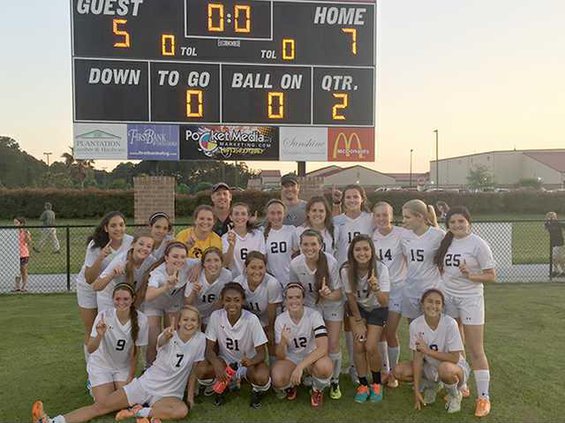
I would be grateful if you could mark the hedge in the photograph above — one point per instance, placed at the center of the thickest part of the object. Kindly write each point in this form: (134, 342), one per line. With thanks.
(91, 203)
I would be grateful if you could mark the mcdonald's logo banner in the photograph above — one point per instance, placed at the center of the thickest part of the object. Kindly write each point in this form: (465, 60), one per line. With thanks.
(351, 144)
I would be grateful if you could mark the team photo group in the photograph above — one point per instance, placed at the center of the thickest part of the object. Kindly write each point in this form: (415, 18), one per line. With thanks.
(272, 301)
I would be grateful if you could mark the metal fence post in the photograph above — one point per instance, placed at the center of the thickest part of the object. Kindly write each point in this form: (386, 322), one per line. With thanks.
(68, 235)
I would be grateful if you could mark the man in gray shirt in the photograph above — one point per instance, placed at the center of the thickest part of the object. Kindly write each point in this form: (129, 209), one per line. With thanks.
(295, 207)
(49, 232)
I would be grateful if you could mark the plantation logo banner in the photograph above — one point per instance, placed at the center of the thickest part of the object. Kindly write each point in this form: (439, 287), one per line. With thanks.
(198, 142)
(153, 142)
(100, 141)
(351, 144)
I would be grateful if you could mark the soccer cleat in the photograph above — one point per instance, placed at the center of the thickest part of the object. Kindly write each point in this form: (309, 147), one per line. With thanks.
(392, 383)
(335, 391)
(316, 398)
(362, 394)
(128, 413)
(291, 393)
(353, 375)
(256, 399)
(38, 414)
(219, 399)
(482, 408)
(375, 392)
(453, 404)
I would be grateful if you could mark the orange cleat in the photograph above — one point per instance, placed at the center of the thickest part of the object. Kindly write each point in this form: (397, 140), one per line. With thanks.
(482, 408)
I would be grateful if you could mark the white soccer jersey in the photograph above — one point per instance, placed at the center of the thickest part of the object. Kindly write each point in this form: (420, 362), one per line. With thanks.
(104, 297)
(422, 273)
(252, 241)
(93, 253)
(348, 229)
(299, 272)
(445, 338)
(329, 241)
(279, 246)
(209, 294)
(168, 375)
(238, 340)
(472, 250)
(389, 250)
(268, 292)
(158, 278)
(302, 339)
(159, 252)
(365, 296)
(115, 349)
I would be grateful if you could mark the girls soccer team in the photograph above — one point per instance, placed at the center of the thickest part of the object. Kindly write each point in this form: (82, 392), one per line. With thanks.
(354, 271)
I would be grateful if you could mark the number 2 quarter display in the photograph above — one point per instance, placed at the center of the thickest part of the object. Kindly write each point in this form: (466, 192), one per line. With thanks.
(224, 62)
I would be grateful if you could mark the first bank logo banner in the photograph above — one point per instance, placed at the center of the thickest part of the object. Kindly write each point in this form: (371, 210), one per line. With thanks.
(153, 142)
(202, 142)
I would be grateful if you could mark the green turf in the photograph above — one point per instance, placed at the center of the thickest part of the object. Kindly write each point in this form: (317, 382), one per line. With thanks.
(41, 357)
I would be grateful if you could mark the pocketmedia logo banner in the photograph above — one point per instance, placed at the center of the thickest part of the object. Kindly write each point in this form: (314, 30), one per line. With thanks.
(351, 144)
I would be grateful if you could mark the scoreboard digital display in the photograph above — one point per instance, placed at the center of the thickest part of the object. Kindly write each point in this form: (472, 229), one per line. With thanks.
(224, 62)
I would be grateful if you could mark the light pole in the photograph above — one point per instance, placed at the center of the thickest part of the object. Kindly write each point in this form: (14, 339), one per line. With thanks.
(47, 157)
(411, 150)
(437, 157)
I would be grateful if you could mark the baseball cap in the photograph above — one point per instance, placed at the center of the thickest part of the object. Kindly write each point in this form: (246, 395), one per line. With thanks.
(289, 179)
(219, 186)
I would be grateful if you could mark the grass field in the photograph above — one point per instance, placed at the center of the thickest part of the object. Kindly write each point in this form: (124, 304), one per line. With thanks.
(41, 357)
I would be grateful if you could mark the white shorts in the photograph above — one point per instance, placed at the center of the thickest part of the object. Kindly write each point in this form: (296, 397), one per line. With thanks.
(164, 304)
(86, 296)
(100, 376)
(411, 307)
(137, 394)
(431, 372)
(332, 312)
(395, 299)
(470, 310)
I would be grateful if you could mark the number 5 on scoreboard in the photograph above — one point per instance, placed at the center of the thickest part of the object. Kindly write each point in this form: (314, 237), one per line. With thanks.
(338, 107)
(121, 33)
(194, 103)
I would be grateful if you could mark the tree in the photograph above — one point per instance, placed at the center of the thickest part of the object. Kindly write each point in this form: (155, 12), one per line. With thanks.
(480, 177)
(78, 169)
(17, 168)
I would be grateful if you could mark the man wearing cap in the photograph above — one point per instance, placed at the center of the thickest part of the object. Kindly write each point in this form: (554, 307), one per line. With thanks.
(221, 203)
(296, 208)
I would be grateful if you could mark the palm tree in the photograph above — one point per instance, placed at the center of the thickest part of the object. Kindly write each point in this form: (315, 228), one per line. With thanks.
(78, 168)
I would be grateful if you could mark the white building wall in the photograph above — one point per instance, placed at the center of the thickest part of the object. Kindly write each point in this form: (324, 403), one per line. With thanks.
(361, 175)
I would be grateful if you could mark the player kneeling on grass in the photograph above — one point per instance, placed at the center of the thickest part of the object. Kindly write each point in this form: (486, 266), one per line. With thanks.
(238, 337)
(367, 285)
(161, 386)
(301, 341)
(438, 355)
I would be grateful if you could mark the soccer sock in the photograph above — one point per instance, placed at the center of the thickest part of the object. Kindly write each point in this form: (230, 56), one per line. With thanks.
(482, 379)
(262, 388)
(349, 344)
(58, 419)
(336, 360)
(206, 382)
(320, 384)
(376, 377)
(363, 381)
(383, 352)
(393, 354)
(144, 412)
(451, 389)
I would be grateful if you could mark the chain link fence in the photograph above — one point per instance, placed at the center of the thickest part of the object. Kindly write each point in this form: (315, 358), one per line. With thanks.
(521, 250)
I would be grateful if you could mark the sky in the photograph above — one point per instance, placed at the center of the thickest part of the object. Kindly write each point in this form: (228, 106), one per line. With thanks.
(488, 74)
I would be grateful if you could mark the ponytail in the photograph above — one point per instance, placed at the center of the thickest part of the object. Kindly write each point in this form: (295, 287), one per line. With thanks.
(443, 247)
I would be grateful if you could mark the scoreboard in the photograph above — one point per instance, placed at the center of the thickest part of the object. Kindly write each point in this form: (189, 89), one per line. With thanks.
(278, 68)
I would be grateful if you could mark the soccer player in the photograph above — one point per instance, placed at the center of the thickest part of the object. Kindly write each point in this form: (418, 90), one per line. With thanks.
(319, 218)
(280, 241)
(367, 286)
(161, 386)
(161, 228)
(318, 273)
(437, 355)
(419, 249)
(235, 341)
(108, 240)
(200, 236)
(301, 340)
(388, 246)
(204, 293)
(466, 262)
(113, 345)
(241, 239)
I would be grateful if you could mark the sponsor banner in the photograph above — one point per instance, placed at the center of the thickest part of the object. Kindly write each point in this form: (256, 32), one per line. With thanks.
(351, 144)
(304, 144)
(153, 142)
(100, 141)
(209, 142)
